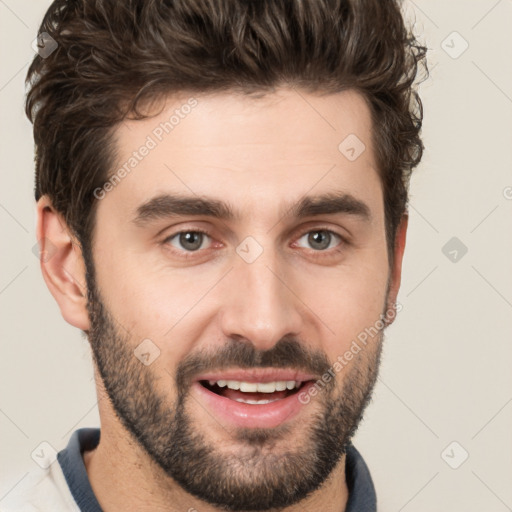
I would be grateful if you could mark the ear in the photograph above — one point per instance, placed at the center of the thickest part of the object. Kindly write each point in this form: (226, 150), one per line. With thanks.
(62, 264)
(396, 270)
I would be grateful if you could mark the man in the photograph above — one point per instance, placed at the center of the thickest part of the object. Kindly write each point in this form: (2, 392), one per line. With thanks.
(221, 196)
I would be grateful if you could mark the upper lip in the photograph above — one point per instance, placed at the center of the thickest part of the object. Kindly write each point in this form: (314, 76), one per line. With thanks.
(258, 375)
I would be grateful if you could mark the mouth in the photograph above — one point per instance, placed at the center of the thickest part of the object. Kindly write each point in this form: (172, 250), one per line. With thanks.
(255, 399)
(254, 393)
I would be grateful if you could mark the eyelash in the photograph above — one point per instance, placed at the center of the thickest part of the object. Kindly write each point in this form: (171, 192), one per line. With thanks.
(316, 254)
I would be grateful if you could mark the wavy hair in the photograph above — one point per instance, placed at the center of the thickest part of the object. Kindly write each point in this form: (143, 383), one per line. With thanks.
(113, 57)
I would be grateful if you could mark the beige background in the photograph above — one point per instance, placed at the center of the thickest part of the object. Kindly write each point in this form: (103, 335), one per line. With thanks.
(446, 371)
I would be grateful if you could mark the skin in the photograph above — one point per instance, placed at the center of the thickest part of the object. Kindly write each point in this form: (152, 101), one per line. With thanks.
(258, 155)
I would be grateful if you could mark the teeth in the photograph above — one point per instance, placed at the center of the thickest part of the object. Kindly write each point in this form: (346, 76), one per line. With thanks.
(259, 402)
(248, 387)
(260, 387)
(267, 387)
(233, 384)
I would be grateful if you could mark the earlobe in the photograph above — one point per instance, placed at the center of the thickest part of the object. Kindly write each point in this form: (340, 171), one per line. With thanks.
(62, 264)
(396, 271)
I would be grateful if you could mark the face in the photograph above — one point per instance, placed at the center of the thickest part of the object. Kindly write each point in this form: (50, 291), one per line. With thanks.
(242, 249)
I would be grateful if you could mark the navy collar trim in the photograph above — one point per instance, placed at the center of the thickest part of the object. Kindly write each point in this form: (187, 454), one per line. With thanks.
(362, 496)
(73, 467)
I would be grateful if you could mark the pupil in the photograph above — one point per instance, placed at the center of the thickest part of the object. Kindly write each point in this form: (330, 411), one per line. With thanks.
(191, 240)
(320, 237)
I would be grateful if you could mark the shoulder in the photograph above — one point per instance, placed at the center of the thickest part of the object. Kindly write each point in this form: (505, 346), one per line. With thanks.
(47, 488)
(38, 490)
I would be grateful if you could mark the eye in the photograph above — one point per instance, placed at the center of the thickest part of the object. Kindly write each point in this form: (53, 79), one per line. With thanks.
(190, 241)
(320, 239)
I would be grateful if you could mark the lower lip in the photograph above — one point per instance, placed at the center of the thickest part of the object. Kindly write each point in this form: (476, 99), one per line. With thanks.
(269, 415)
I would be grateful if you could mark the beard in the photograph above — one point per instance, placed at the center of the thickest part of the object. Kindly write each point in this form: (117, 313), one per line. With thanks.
(268, 468)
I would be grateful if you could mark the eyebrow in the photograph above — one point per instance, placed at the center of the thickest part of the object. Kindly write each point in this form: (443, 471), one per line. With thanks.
(166, 205)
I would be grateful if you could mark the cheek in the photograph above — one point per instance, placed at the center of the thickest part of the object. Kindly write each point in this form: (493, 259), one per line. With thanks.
(347, 303)
(140, 286)
(158, 304)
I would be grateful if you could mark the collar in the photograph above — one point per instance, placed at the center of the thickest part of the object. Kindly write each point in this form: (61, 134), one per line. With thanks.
(361, 492)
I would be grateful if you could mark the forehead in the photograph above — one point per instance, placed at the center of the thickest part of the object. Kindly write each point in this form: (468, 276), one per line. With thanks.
(250, 152)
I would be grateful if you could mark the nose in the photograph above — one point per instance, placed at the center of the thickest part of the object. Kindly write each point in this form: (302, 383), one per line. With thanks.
(260, 305)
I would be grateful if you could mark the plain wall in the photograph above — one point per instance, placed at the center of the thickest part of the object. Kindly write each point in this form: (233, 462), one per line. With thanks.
(446, 372)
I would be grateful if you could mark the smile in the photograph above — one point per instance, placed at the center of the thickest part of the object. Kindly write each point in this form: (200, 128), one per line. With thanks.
(258, 399)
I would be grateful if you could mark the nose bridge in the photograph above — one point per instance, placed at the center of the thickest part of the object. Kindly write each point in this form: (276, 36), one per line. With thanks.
(260, 307)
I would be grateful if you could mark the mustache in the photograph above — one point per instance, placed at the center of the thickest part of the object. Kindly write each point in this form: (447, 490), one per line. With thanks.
(286, 353)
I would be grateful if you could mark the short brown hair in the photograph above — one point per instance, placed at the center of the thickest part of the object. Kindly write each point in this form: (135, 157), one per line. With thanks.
(115, 56)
